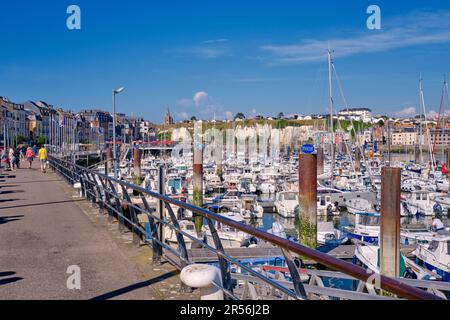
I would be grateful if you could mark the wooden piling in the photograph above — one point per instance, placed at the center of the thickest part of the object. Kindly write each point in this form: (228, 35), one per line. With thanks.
(197, 178)
(108, 162)
(137, 155)
(390, 222)
(320, 161)
(307, 174)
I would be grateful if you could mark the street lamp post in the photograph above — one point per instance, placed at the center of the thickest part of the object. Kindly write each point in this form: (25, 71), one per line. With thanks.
(115, 92)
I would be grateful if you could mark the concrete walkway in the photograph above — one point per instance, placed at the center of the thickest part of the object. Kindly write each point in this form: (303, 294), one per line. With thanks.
(45, 228)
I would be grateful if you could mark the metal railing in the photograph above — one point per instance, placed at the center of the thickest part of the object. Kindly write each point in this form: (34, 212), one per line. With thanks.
(112, 195)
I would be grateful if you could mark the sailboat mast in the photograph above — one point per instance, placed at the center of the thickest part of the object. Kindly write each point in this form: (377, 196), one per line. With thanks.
(420, 122)
(330, 86)
(430, 150)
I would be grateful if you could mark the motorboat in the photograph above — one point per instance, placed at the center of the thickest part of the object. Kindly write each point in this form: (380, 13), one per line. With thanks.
(369, 255)
(229, 236)
(287, 204)
(325, 207)
(327, 233)
(360, 205)
(366, 228)
(250, 208)
(187, 227)
(434, 254)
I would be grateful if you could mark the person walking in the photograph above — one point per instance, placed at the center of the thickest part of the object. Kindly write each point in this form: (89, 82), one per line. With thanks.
(17, 156)
(42, 158)
(23, 152)
(12, 158)
(30, 156)
(4, 157)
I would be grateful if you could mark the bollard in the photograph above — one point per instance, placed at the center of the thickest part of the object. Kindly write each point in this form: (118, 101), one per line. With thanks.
(320, 159)
(390, 222)
(77, 185)
(307, 175)
(203, 277)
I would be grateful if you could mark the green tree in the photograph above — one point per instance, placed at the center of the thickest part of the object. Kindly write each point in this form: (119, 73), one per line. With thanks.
(40, 140)
(20, 139)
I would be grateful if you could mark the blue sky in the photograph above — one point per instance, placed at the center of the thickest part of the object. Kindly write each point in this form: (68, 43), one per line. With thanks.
(216, 58)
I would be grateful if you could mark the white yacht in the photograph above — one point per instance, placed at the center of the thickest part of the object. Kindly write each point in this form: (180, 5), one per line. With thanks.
(229, 236)
(286, 204)
(187, 227)
(368, 255)
(325, 206)
(250, 208)
(435, 254)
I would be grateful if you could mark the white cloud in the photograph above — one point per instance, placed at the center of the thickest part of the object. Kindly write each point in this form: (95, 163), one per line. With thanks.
(419, 28)
(406, 112)
(208, 52)
(200, 98)
(203, 104)
(220, 40)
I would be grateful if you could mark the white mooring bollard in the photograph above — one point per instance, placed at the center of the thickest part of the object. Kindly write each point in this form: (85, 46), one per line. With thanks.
(203, 276)
(77, 185)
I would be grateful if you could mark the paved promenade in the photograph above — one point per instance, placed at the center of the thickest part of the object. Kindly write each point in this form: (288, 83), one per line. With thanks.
(45, 228)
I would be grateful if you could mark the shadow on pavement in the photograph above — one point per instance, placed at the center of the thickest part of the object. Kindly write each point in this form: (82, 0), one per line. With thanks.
(34, 181)
(11, 192)
(8, 200)
(4, 220)
(40, 204)
(136, 286)
(8, 280)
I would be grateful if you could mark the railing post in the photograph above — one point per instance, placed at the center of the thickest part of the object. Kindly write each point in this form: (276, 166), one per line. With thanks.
(181, 243)
(224, 265)
(119, 210)
(133, 218)
(298, 285)
(160, 205)
(107, 199)
(157, 248)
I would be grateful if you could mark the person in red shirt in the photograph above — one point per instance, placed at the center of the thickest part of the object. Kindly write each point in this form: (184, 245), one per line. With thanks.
(30, 156)
(444, 169)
